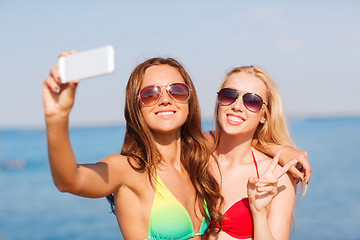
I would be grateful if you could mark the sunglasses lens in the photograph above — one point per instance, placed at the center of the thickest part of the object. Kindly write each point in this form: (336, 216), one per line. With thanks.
(150, 95)
(227, 96)
(252, 102)
(179, 91)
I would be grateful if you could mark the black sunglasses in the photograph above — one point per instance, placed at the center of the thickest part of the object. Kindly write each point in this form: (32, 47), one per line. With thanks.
(252, 101)
(179, 92)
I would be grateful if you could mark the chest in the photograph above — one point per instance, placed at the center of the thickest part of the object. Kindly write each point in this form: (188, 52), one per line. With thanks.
(170, 205)
(171, 219)
(180, 187)
(235, 179)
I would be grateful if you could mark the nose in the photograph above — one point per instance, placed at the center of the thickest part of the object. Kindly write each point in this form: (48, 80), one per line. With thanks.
(238, 105)
(165, 98)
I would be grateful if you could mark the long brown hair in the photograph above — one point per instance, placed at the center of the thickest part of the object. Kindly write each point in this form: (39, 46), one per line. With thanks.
(140, 148)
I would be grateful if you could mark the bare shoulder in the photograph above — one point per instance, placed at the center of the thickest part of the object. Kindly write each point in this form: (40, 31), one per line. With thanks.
(117, 162)
(121, 169)
(210, 137)
(262, 159)
(287, 180)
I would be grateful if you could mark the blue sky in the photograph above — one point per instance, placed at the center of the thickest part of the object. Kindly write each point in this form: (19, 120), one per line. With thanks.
(310, 48)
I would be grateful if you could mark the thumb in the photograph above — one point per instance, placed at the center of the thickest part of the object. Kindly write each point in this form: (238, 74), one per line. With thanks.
(252, 181)
(251, 188)
(69, 90)
(73, 85)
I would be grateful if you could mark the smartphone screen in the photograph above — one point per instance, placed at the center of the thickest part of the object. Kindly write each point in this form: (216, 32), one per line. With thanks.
(87, 64)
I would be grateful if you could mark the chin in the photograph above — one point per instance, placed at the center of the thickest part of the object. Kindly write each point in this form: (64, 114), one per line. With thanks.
(164, 128)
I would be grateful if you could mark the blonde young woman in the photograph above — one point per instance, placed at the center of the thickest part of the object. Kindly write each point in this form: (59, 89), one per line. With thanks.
(160, 182)
(259, 195)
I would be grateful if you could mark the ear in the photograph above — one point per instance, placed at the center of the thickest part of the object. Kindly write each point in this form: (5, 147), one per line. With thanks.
(263, 119)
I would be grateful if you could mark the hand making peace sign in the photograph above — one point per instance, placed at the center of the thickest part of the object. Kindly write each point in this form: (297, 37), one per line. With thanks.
(262, 191)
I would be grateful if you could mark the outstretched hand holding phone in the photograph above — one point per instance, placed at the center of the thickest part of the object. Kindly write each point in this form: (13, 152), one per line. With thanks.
(59, 88)
(87, 64)
(58, 91)
(58, 97)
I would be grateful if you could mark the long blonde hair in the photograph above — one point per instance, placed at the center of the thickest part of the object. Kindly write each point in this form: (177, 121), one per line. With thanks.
(274, 129)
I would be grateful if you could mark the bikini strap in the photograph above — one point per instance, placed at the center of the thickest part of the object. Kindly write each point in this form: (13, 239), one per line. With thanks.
(255, 163)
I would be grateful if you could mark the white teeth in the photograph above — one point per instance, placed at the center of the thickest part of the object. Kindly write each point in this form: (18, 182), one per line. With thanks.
(235, 119)
(165, 113)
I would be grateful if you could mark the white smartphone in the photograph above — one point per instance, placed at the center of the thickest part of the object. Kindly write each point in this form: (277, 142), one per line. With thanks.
(87, 64)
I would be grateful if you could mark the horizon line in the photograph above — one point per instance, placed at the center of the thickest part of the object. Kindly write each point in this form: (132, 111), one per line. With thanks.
(204, 119)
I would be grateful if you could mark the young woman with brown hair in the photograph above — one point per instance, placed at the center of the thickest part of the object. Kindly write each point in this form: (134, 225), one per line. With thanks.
(160, 182)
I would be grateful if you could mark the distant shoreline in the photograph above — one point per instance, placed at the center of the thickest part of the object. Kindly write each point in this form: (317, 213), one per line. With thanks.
(205, 120)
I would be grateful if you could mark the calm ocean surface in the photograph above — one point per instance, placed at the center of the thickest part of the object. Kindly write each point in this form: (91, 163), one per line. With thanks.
(32, 208)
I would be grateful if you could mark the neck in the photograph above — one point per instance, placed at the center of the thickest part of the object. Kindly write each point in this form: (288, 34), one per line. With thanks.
(169, 146)
(234, 148)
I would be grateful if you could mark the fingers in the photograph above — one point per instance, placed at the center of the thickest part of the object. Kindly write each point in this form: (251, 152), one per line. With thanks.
(266, 181)
(54, 73)
(261, 188)
(273, 163)
(296, 173)
(251, 187)
(60, 61)
(64, 54)
(253, 180)
(285, 168)
(52, 84)
(306, 168)
(302, 172)
(267, 189)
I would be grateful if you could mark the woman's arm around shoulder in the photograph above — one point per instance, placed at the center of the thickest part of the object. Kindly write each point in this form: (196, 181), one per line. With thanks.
(302, 172)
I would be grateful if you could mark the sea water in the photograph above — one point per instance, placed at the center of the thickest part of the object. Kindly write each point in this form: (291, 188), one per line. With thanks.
(32, 208)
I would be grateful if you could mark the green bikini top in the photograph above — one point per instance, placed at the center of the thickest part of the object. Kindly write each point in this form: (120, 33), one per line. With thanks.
(169, 219)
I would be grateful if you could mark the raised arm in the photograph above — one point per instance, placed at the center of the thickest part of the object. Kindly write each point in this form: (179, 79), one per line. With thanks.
(302, 171)
(88, 180)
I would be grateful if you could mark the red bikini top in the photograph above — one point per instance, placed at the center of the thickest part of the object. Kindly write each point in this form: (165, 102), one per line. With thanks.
(238, 221)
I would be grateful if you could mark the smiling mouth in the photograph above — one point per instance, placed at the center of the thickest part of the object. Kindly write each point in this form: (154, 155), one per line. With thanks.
(235, 119)
(167, 113)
